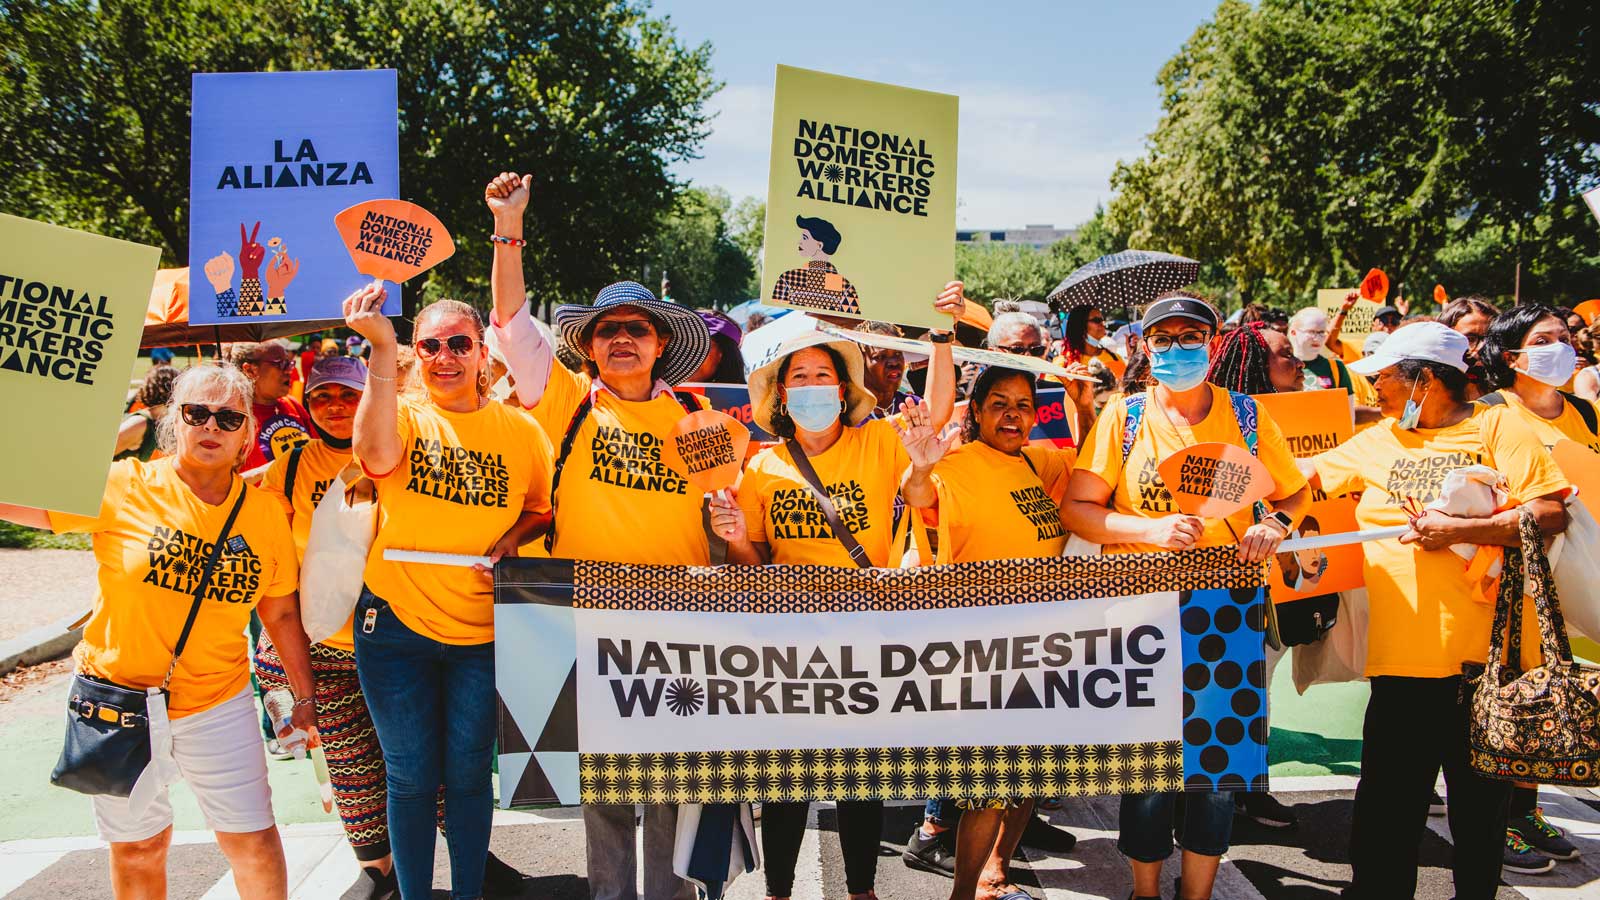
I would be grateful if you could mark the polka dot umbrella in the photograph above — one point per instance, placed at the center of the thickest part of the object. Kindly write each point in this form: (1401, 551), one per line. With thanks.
(1127, 279)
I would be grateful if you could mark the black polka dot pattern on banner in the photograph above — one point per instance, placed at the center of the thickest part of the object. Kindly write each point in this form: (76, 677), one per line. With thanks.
(1224, 703)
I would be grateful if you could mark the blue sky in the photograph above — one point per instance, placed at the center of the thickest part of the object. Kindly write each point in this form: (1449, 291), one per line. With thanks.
(1052, 93)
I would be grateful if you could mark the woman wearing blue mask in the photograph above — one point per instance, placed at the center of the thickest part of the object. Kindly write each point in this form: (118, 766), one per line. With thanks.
(1117, 498)
(807, 387)
(1427, 616)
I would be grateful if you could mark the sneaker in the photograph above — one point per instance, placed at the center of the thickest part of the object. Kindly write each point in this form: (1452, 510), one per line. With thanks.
(1520, 857)
(1264, 809)
(275, 750)
(501, 880)
(931, 854)
(1041, 835)
(1436, 805)
(373, 885)
(1542, 836)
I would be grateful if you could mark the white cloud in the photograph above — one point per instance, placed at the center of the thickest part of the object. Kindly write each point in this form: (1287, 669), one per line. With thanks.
(1027, 156)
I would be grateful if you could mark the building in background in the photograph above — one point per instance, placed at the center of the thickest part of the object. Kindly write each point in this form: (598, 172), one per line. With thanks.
(1036, 236)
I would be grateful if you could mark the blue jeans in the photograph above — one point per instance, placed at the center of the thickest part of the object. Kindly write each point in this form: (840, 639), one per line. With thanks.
(1146, 824)
(433, 705)
(944, 812)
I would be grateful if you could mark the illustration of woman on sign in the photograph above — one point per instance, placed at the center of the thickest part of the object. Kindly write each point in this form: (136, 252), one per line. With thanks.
(1303, 569)
(818, 285)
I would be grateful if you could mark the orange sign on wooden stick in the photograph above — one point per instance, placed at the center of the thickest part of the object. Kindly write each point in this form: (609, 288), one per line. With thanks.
(1589, 310)
(1375, 286)
(392, 239)
(707, 447)
(1215, 480)
(1439, 295)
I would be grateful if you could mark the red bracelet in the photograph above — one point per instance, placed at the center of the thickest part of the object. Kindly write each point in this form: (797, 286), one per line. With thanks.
(502, 239)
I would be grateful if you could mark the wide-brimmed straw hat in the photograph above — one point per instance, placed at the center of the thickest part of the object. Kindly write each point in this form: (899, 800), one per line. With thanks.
(686, 350)
(765, 349)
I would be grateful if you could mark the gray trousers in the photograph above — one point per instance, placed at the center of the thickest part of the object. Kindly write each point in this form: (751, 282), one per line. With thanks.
(609, 848)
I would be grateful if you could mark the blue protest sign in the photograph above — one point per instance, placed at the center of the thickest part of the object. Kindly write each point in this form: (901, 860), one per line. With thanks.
(274, 156)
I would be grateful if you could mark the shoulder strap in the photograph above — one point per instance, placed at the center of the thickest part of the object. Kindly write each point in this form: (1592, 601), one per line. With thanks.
(687, 401)
(578, 415)
(858, 554)
(205, 582)
(1493, 399)
(1335, 366)
(1031, 467)
(288, 475)
(1245, 413)
(1134, 404)
(1585, 409)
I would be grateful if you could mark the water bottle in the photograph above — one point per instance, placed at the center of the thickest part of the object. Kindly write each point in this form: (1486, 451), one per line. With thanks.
(280, 709)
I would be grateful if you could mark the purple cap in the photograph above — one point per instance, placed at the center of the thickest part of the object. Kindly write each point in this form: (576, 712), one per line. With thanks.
(345, 370)
(720, 325)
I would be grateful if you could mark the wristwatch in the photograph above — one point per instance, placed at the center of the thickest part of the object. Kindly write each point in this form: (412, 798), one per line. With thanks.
(941, 337)
(1281, 518)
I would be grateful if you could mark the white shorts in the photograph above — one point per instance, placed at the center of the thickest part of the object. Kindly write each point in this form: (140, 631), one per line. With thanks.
(220, 754)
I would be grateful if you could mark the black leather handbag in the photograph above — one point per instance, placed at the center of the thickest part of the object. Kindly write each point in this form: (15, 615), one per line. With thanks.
(108, 725)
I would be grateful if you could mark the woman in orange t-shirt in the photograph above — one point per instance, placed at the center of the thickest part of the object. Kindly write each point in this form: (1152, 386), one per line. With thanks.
(152, 538)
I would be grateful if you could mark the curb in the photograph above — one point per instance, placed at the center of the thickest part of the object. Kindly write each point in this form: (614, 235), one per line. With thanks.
(42, 644)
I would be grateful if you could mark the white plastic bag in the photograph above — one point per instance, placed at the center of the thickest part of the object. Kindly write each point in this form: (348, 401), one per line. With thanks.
(1575, 562)
(1472, 492)
(342, 529)
(1341, 655)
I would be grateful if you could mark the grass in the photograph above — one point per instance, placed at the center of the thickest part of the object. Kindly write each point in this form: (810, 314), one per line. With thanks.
(23, 538)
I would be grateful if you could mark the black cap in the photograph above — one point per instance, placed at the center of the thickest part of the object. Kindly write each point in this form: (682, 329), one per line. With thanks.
(1179, 307)
(1386, 311)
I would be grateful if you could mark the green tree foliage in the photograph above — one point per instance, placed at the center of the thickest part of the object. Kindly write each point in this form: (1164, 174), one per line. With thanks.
(1304, 142)
(595, 99)
(695, 246)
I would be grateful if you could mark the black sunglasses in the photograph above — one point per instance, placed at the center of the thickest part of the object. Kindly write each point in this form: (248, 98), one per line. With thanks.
(1023, 349)
(198, 414)
(636, 328)
(459, 344)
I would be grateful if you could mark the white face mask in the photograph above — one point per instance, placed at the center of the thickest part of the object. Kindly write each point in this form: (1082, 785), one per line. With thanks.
(1551, 364)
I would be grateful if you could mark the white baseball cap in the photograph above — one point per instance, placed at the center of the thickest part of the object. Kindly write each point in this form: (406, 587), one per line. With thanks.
(1429, 341)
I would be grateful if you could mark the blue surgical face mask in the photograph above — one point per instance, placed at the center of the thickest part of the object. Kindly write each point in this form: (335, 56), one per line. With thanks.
(814, 407)
(1179, 369)
(1413, 411)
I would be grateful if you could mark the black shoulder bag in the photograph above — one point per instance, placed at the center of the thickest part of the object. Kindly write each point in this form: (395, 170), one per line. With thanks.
(858, 554)
(108, 729)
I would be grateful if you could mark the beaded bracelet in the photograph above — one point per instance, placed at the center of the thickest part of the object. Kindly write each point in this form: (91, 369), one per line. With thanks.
(502, 239)
(376, 377)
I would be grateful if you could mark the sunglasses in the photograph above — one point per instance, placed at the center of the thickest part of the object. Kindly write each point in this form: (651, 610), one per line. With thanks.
(198, 414)
(1098, 320)
(459, 344)
(282, 365)
(636, 328)
(1023, 349)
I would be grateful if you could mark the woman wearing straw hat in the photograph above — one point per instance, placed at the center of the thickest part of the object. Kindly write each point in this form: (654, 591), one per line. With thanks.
(615, 500)
(825, 496)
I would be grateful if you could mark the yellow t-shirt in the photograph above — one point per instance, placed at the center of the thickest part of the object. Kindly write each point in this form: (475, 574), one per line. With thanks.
(861, 473)
(1568, 425)
(151, 541)
(1426, 619)
(617, 501)
(995, 506)
(462, 481)
(320, 464)
(1137, 488)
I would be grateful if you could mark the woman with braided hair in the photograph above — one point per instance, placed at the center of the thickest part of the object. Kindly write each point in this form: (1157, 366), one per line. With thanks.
(1255, 359)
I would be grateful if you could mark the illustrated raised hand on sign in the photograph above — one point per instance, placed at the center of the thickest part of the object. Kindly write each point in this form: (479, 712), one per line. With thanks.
(280, 272)
(251, 253)
(219, 272)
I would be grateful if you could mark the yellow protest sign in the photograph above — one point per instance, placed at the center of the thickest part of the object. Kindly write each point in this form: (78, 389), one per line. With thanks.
(861, 199)
(1358, 322)
(71, 307)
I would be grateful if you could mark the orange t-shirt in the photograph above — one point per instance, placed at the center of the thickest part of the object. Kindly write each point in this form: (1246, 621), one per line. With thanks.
(151, 541)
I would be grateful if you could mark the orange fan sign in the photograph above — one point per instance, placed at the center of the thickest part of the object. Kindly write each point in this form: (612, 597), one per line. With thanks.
(392, 239)
(1215, 480)
(1439, 295)
(707, 447)
(1375, 286)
